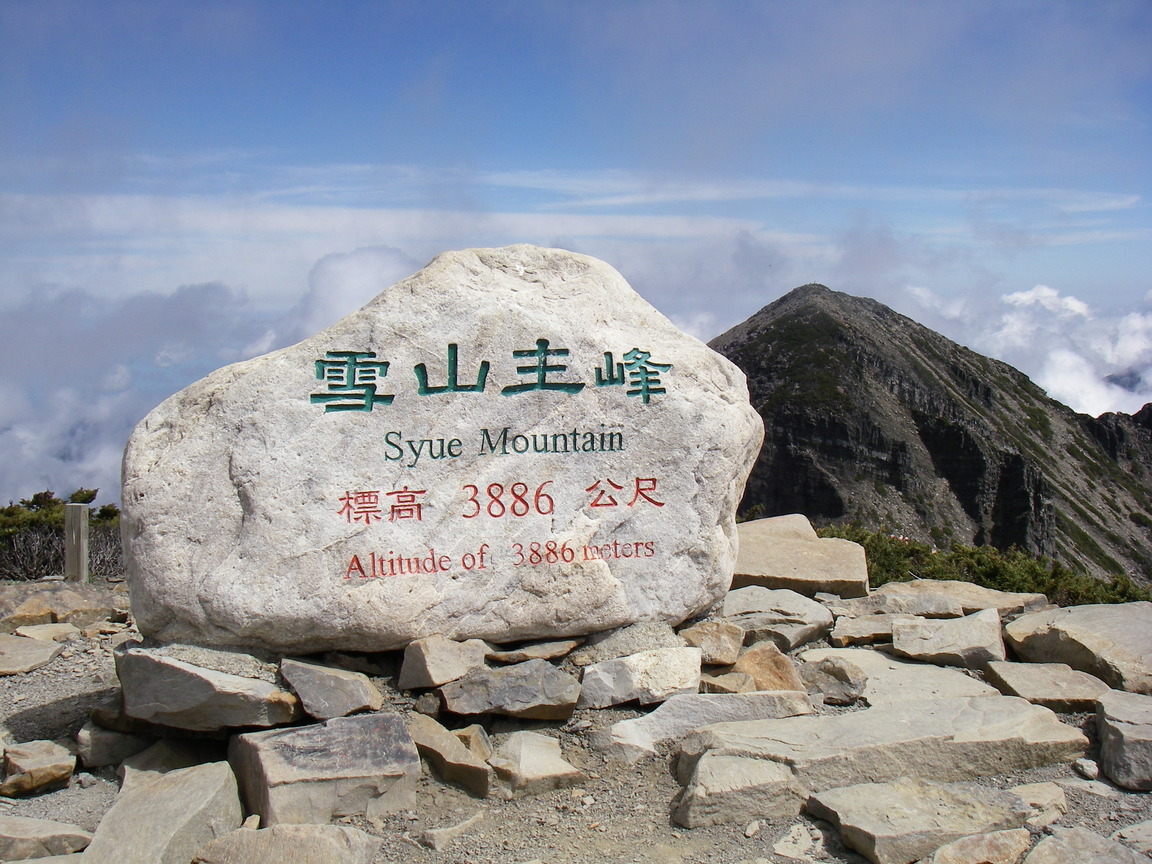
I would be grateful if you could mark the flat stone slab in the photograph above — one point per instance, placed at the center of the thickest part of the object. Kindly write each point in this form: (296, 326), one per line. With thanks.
(327, 692)
(646, 677)
(1053, 685)
(940, 739)
(1138, 836)
(159, 688)
(165, 820)
(291, 844)
(865, 630)
(787, 618)
(59, 602)
(994, 847)
(1112, 641)
(363, 765)
(534, 651)
(1077, 845)
(22, 838)
(890, 679)
(718, 639)
(532, 763)
(908, 819)
(35, 766)
(644, 636)
(436, 659)
(1124, 722)
(510, 444)
(808, 567)
(732, 789)
(48, 632)
(970, 642)
(535, 690)
(634, 739)
(971, 597)
(449, 756)
(20, 654)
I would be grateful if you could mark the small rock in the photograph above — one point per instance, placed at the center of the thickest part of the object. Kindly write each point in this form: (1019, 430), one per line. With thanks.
(1047, 802)
(805, 566)
(48, 632)
(769, 668)
(19, 654)
(731, 789)
(787, 618)
(427, 704)
(1053, 685)
(535, 651)
(837, 681)
(22, 838)
(436, 660)
(1079, 845)
(535, 690)
(532, 763)
(327, 692)
(1124, 721)
(291, 844)
(1138, 836)
(439, 838)
(446, 753)
(475, 738)
(645, 636)
(865, 630)
(997, 847)
(646, 677)
(1086, 768)
(97, 746)
(719, 641)
(37, 766)
(728, 683)
(971, 642)
(165, 756)
(752, 828)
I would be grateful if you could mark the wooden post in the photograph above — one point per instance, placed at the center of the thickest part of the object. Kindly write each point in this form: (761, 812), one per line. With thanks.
(75, 542)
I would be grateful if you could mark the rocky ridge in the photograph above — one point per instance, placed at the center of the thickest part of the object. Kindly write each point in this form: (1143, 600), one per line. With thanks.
(871, 417)
(769, 731)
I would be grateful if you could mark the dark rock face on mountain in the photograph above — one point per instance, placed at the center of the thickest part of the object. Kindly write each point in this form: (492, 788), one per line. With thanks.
(874, 418)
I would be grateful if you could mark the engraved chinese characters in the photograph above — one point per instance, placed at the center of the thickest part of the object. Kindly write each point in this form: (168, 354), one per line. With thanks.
(509, 444)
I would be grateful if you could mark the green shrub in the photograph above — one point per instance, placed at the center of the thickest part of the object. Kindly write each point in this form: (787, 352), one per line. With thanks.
(32, 536)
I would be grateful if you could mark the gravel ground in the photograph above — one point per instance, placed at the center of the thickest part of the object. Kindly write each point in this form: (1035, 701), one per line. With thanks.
(621, 814)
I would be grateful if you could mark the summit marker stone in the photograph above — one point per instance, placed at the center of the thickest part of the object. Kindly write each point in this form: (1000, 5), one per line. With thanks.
(510, 444)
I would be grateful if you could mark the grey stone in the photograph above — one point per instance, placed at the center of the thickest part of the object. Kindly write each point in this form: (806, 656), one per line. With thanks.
(644, 636)
(167, 819)
(165, 756)
(532, 763)
(535, 690)
(162, 689)
(907, 819)
(971, 597)
(1138, 836)
(719, 641)
(535, 651)
(36, 766)
(475, 738)
(806, 566)
(946, 739)
(327, 692)
(435, 660)
(634, 739)
(1112, 641)
(97, 747)
(1047, 802)
(449, 756)
(769, 667)
(19, 654)
(891, 679)
(787, 618)
(1053, 685)
(837, 681)
(363, 765)
(792, 526)
(1124, 722)
(235, 488)
(730, 789)
(22, 838)
(291, 844)
(646, 677)
(48, 632)
(440, 838)
(865, 630)
(971, 642)
(729, 682)
(1078, 846)
(996, 847)
(920, 604)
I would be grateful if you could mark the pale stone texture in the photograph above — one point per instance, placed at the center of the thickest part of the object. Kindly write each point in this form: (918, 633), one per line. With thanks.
(836, 680)
(892, 680)
(435, 660)
(731, 789)
(947, 739)
(291, 844)
(719, 641)
(793, 526)
(167, 755)
(787, 618)
(1124, 721)
(167, 819)
(971, 642)
(1138, 836)
(729, 682)
(232, 514)
(865, 630)
(48, 632)
(634, 739)
(59, 602)
(36, 766)
(769, 667)
(363, 765)
(1111, 641)
(644, 636)
(96, 746)
(20, 654)
(646, 677)
(970, 596)
(449, 756)
(161, 689)
(441, 838)
(532, 763)
(922, 605)
(907, 819)
(997, 847)
(1047, 802)
(327, 692)
(535, 690)
(22, 838)
(1053, 685)
(1079, 846)
(805, 566)
(534, 651)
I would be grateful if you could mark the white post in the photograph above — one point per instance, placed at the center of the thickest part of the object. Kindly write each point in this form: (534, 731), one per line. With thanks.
(75, 542)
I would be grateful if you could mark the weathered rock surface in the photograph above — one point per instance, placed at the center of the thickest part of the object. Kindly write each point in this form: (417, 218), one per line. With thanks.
(919, 603)
(327, 692)
(365, 503)
(435, 660)
(787, 618)
(291, 844)
(362, 765)
(939, 739)
(59, 602)
(97, 747)
(448, 755)
(634, 739)
(644, 636)
(908, 819)
(728, 682)
(48, 632)
(805, 566)
(1124, 723)
(971, 597)
(892, 680)
(997, 847)
(732, 789)
(162, 689)
(167, 819)
(1053, 685)
(971, 642)
(1076, 845)
(770, 668)
(549, 650)
(837, 681)
(1138, 836)
(647, 677)
(1047, 802)
(535, 690)
(1111, 641)
(865, 630)
(22, 838)
(36, 766)
(719, 641)
(19, 654)
(532, 763)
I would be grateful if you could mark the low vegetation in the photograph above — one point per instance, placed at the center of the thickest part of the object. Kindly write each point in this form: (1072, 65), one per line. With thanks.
(893, 558)
(32, 536)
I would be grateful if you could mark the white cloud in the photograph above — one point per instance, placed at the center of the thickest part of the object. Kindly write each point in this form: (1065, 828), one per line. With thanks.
(1049, 299)
(1075, 380)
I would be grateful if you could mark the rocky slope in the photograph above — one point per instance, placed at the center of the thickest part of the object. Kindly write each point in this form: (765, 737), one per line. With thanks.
(871, 417)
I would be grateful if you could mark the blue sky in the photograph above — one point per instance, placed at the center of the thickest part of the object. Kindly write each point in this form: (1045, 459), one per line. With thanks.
(183, 185)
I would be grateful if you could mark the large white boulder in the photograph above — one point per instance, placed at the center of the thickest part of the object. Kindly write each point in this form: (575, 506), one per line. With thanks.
(510, 444)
